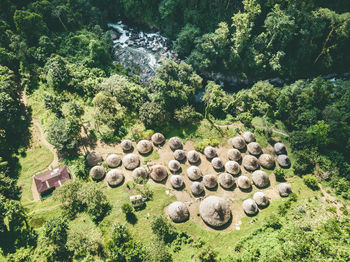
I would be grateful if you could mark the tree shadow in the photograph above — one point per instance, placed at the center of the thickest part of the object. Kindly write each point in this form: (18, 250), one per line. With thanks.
(131, 218)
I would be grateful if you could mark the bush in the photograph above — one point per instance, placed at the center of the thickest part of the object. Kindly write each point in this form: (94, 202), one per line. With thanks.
(163, 229)
(279, 174)
(311, 181)
(207, 255)
(273, 222)
(199, 146)
(127, 209)
(245, 118)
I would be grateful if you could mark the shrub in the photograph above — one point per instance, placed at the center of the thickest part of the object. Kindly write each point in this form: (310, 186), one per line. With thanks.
(279, 174)
(207, 255)
(245, 118)
(199, 146)
(311, 181)
(273, 222)
(127, 209)
(163, 229)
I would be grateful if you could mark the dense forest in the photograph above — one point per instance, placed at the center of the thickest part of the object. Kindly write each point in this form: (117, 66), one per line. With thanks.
(59, 53)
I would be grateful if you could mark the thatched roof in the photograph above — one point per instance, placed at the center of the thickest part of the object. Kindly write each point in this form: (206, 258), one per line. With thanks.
(215, 211)
(126, 145)
(226, 180)
(197, 188)
(210, 181)
(193, 157)
(178, 212)
(280, 148)
(232, 167)
(144, 146)
(248, 137)
(243, 182)
(234, 154)
(260, 178)
(140, 172)
(283, 161)
(157, 138)
(113, 160)
(210, 152)
(174, 165)
(93, 159)
(254, 148)
(179, 154)
(97, 172)
(175, 143)
(217, 163)
(158, 173)
(131, 161)
(250, 163)
(284, 189)
(194, 173)
(261, 199)
(238, 142)
(267, 161)
(176, 181)
(114, 177)
(250, 207)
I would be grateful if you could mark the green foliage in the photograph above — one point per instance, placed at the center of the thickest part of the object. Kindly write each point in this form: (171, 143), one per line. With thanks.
(215, 100)
(79, 168)
(279, 174)
(311, 181)
(201, 145)
(152, 114)
(207, 254)
(163, 229)
(245, 118)
(187, 115)
(127, 209)
(58, 75)
(185, 40)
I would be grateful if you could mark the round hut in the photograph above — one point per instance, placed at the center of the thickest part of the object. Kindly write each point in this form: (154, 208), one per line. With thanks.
(93, 159)
(176, 181)
(283, 161)
(284, 189)
(215, 211)
(280, 148)
(174, 165)
(113, 160)
(140, 172)
(197, 188)
(210, 152)
(193, 157)
(126, 145)
(250, 207)
(250, 163)
(178, 212)
(210, 181)
(114, 177)
(217, 163)
(267, 161)
(144, 146)
(175, 143)
(260, 199)
(131, 161)
(234, 154)
(248, 137)
(238, 142)
(179, 154)
(97, 172)
(232, 167)
(158, 139)
(194, 173)
(226, 180)
(254, 148)
(243, 182)
(260, 178)
(158, 173)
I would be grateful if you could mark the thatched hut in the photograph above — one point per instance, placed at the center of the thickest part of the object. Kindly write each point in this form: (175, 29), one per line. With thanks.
(174, 165)
(144, 146)
(93, 159)
(131, 161)
(176, 181)
(193, 157)
(126, 145)
(261, 199)
(210, 152)
(97, 172)
(157, 138)
(114, 177)
(243, 182)
(238, 142)
(250, 207)
(197, 188)
(210, 181)
(232, 167)
(283, 161)
(284, 189)
(113, 160)
(140, 172)
(267, 161)
(217, 163)
(280, 148)
(194, 173)
(179, 154)
(158, 173)
(248, 137)
(254, 148)
(215, 211)
(260, 178)
(175, 143)
(234, 154)
(250, 162)
(178, 212)
(226, 180)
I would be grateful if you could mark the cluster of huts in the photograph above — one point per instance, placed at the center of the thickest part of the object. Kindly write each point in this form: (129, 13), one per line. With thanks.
(214, 211)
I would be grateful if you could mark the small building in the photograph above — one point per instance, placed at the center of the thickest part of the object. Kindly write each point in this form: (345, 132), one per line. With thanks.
(46, 183)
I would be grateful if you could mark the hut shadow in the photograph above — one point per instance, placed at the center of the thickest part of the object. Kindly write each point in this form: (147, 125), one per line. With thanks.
(285, 167)
(179, 188)
(147, 154)
(213, 188)
(243, 150)
(120, 184)
(223, 227)
(263, 187)
(183, 161)
(196, 163)
(232, 188)
(129, 151)
(248, 190)
(200, 195)
(178, 172)
(220, 170)
(263, 207)
(163, 182)
(252, 215)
